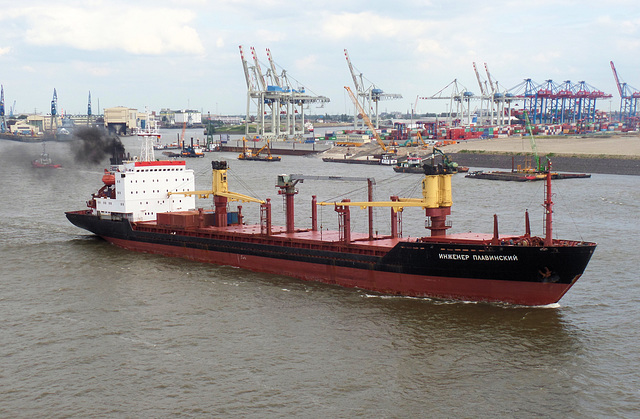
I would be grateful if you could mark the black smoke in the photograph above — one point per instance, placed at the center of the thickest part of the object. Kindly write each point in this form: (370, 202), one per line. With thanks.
(93, 145)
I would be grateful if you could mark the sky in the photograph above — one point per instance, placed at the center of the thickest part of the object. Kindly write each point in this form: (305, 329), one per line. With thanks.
(184, 54)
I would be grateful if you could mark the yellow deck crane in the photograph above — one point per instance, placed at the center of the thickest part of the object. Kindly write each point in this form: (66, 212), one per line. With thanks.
(368, 122)
(222, 195)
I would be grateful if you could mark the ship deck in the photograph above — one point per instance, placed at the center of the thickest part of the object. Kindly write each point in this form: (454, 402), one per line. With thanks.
(331, 237)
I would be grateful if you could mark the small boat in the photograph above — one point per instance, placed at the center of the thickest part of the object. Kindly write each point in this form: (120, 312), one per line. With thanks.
(44, 162)
(414, 164)
(523, 176)
(389, 159)
(252, 155)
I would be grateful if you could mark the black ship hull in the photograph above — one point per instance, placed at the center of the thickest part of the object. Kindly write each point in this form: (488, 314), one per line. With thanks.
(529, 275)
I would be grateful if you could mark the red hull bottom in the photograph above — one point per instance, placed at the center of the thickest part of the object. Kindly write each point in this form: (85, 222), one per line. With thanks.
(464, 289)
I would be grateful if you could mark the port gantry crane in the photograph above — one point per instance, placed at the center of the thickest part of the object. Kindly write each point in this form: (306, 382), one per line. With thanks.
(557, 104)
(274, 91)
(461, 98)
(628, 98)
(370, 95)
(54, 112)
(497, 100)
(483, 96)
(3, 122)
(367, 120)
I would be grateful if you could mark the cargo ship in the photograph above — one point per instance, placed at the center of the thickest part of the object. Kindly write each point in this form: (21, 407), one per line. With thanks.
(149, 206)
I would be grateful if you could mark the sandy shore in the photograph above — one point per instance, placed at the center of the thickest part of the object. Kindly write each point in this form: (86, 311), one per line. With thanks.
(615, 146)
(611, 154)
(616, 154)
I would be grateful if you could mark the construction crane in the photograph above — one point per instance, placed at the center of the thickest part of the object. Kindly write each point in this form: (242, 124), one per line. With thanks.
(539, 167)
(422, 140)
(628, 97)
(255, 155)
(366, 119)
(371, 95)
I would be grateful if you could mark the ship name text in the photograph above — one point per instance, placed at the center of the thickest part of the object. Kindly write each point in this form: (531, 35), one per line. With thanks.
(459, 256)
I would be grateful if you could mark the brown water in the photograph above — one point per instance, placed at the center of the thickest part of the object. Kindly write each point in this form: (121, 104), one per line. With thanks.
(91, 330)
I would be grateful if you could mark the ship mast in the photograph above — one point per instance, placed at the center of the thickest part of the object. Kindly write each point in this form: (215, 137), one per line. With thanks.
(548, 211)
(146, 150)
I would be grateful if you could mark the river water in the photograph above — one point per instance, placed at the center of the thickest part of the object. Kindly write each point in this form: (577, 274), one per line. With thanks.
(91, 330)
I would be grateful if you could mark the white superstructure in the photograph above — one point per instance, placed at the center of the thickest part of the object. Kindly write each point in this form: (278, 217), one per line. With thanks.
(141, 190)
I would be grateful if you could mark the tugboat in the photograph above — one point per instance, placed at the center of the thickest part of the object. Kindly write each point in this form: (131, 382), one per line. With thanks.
(192, 151)
(44, 162)
(519, 269)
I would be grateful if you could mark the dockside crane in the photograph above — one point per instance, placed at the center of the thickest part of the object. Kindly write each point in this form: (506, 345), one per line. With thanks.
(628, 97)
(356, 84)
(252, 91)
(273, 90)
(457, 97)
(483, 91)
(499, 98)
(54, 111)
(274, 71)
(247, 74)
(366, 119)
(3, 122)
(371, 95)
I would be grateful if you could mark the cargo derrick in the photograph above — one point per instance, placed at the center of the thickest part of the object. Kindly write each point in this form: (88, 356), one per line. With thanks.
(287, 185)
(221, 194)
(436, 201)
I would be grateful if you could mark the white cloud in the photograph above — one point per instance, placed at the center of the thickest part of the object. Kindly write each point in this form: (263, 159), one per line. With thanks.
(268, 36)
(135, 30)
(5, 50)
(93, 69)
(368, 25)
(307, 63)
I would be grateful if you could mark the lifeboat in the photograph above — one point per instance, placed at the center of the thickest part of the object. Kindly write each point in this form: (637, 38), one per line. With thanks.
(109, 178)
